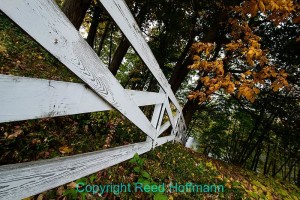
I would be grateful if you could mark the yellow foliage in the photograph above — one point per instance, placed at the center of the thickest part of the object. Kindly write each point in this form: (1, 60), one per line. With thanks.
(2, 49)
(253, 53)
(196, 58)
(247, 92)
(261, 6)
(202, 47)
(256, 90)
(232, 46)
(245, 46)
(65, 149)
(230, 87)
(195, 65)
(205, 80)
(279, 83)
(252, 7)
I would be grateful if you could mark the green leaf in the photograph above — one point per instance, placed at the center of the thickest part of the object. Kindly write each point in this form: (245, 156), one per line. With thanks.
(160, 196)
(92, 178)
(140, 162)
(82, 180)
(144, 181)
(137, 169)
(145, 174)
(71, 192)
(141, 180)
(136, 156)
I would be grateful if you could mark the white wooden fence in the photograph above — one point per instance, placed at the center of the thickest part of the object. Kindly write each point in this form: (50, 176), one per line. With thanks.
(29, 98)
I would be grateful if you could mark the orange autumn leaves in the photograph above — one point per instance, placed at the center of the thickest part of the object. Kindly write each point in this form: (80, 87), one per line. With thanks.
(242, 67)
(245, 84)
(253, 6)
(252, 81)
(280, 9)
(248, 82)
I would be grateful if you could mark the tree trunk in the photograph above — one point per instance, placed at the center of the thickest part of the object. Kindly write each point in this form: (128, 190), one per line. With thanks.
(94, 25)
(274, 168)
(107, 26)
(181, 69)
(119, 55)
(191, 107)
(246, 144)
(124, 45)
(288, 174)
(267, 159)
(255, 158)
(298, 178)
(179, 74)
(75, 10)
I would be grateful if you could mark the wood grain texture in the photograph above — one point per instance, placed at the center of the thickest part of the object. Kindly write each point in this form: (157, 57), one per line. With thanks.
(26, 179)
(158, 111)
(176, 122)
(45, 22)
(126, 22)
(29, 98)
(180, 134)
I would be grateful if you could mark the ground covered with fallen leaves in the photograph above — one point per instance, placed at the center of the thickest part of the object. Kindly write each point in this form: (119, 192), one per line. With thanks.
(173, 163)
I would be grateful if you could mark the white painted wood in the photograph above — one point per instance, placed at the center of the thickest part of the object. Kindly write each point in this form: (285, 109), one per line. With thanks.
(176, 120)
(124, 19)
(166, 125)
(23, 180)
(163, 140)
(155, 119)
(157, 114)
(157, 111)
(142, 98)
(181, 131)
(29, 98)
(45, 22)
(161, 115)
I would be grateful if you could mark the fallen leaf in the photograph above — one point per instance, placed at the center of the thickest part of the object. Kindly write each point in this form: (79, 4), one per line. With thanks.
(65, 149)
(72, 185)
(15, 134)
(60, 191)
(40, 197)
(36, 141)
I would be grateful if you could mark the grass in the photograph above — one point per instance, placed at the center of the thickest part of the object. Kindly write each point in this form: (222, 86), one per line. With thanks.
(173, 163)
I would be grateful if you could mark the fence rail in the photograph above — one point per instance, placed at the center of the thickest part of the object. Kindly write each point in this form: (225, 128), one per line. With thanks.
(30, 98)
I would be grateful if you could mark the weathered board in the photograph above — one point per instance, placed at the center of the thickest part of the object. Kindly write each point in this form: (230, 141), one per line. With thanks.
(163, 140)
(181, 130)
(45, 22)
(29, 98)
(25, 179)
(124, 19)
